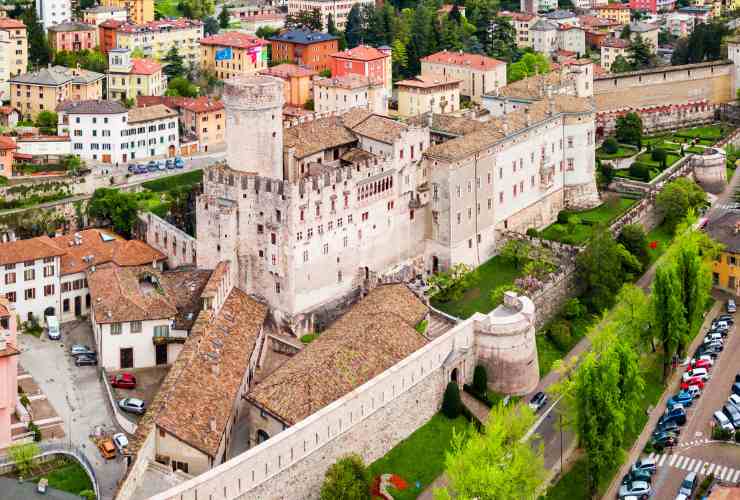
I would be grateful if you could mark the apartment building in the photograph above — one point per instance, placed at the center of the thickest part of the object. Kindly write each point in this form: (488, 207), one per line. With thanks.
(43, 90)
(523, 23)
(648, 32)
(611, 48)
(129, 78)
(205, 119)
(298, 88)
(653, 6)
(478, 74)
(72, 36)
(303, 47)
(139, 11)
(9, 353)
(338, 10)
(99, 14)
(52, 12)
(339, 94)
(366, 61)
(156, 38)
(106, 131)
(108, 34)
(618, 12)
(231, 54)
(13, 52)
(535, 6)
(8, 148)
(427, 95)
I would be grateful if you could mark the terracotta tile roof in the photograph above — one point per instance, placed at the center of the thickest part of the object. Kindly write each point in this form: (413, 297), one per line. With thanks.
(354, 116)
(317, 135)
(448, 124)
(349, 81)
(517, 16)
(464, 59)
(71, 26)
(613, 6)
(531, 88)
(361, 53)
(724, 230)
(427, 82)
(380, 128)
(375, 334)
(497, 129)
(6, 110)
(7, 142)
(617, 43)
(31, 249)
(197, 397)
(286, 70)
(145, 67)
(357, 155)
(211, 287)
(111, 23)
(200, 104)
(160, 25)
(156, 112)
(233, 39)
(10, 23)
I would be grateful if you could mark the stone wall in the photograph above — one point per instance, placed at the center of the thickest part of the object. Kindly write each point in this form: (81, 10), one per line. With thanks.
(179, 247)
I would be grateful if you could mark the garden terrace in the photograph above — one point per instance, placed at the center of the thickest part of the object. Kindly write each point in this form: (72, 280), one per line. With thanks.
(623, 151)
(576, 234)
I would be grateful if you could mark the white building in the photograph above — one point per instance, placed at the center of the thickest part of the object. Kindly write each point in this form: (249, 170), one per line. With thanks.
(478, 74)
(100, 13)
(106, 131)
(349, 91)
(338, 10)
(535, 6)
(545, 36)
(572, 39)
(53, 11)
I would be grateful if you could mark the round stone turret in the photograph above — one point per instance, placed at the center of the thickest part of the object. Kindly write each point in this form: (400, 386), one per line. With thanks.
(709, 169)
(254, 124)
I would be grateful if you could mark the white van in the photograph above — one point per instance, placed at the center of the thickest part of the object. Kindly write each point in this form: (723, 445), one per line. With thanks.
(52, 327)
(722, 421)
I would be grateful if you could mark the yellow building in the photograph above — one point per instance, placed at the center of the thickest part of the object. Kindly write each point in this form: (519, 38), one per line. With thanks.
(43, 90)
(129, 78)
(298, 88)
(232, 53)
(139, 11)
(155, 38)
(618, 12)
(427, 94)
(725, 229)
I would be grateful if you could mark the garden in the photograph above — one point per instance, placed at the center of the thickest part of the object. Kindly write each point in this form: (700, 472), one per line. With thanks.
(575, 227)
(64, 474)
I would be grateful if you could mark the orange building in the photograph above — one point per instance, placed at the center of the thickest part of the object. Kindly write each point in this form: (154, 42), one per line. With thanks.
(107, 34)
(297, 80)
(366, 61)
(311, 49)
(7, 151)
(231, 54)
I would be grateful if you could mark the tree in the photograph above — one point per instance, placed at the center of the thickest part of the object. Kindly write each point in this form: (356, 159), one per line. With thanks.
(634, 239)
(529, 65)
(676, 199)
(659, 155)
(211, 26)
(197, 9)
(181, 87)
(331, 26)
(115, 207)
(224, 17)
(620, 65)
(138, 53)
(24, 455)
(480, 380)
(39, 52)
(610, 145)
(47, 122)
(347, 479)
(354, 28)
(516, 252)
(451, 403)
(704, 44)
(450, 285)
(308, 19)
(626, 32)
(629, 129)
(267, 32)
(173, 63)
(73, 164)
(669, 324)
(503, 39)
(640, 53)
(500, 463)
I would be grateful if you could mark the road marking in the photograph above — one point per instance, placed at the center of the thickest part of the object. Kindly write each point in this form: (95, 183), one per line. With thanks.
(736, 476)
(699, 466)
(728, 474)
(652, 456)
(710, 469)
(672, 460)
(662, 459)
(690, 464)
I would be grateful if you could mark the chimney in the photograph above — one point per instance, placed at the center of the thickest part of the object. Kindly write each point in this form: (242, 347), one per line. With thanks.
(212, 424)
(527, 119)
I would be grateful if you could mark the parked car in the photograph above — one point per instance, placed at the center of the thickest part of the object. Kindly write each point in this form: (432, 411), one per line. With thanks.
(734, 400)
(683, 398)
(179, 163)
(722, 421)
(161, 165)
(538, 401)
(107, 448)
(688, 485)
(709, 338)
(640, 489)
(676, 414)
(123, 380)
(696, 372)
(120, 441)
(736, 388)
(709, 350)
(720, 324)
(726, 317)
(42, 485)
(132, 167)
(694, 390)
(170, 163)
(693, 382)
(132, 405)
(78, 349)
(731, 307)
(668, 426)
(716, 345)
(663, 439)
(52, 328)
(647, 463)
(86, 360)
(151, 166)
(637, 475)
(733, 415)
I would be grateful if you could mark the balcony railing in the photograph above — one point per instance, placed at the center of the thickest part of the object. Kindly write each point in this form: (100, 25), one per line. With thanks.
(172, 337)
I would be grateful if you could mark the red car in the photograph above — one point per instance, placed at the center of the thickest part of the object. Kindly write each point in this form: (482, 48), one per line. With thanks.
(701, 363)
(697, 381)
(123, 380)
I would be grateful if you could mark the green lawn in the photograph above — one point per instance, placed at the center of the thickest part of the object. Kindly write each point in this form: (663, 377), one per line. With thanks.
(70, 478)
(662, 237)
(647, 159)
(548, 351)
(695, 149)
(168, 8)
(622, 152)
(152, 202)
(730, 173)
(493, 273)
(707, 132)
(181, 180)
(420, 457)
(604, 213)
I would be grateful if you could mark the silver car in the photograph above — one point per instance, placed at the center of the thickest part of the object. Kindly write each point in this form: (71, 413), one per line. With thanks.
(639, 489)
(121, 442)
(132, 405)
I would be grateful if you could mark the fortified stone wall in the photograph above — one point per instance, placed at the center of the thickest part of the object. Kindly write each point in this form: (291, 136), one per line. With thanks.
(179, 247)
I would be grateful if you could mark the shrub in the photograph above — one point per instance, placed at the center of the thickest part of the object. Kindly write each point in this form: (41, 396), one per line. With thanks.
(559, 333)
(497, 295)
(480, 380)
(36, 431)
(558, 231)
(563, 217)
(422, 326)
(87, 494)
(574, 220)
(721, 434)
(25, 401)
(640, 171)
(347, 478)
(451, 403)
(659, 155)
(533, 233)
(704, 486)
(24, 456)
(450, 285)
(610, 145)
(309, 337)
(574, 309)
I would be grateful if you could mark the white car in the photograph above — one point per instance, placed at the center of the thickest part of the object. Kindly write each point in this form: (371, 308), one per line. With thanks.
(637, 488)
(696, 372)
(734, 400)
(722, 421)
(121, 442)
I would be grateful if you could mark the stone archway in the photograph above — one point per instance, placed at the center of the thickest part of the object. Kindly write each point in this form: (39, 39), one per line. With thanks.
(49, 311)
(454, 375)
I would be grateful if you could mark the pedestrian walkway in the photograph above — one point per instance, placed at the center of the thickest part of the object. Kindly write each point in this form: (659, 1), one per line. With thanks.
(478, 409)
(722, 472)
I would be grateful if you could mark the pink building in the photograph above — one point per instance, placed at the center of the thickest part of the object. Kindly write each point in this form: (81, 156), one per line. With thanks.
(364, 60)
(8, 370)
(73, 36)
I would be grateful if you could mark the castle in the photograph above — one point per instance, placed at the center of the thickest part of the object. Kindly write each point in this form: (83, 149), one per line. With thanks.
(312, 214)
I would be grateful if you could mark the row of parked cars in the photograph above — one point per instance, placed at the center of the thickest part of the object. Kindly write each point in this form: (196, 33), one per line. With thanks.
(155, 166)
(728, 417)
(638, 482)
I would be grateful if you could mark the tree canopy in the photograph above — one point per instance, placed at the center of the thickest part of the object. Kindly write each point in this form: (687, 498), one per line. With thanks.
(309, 19)
(115, 207)
(197, 9)
(347, 479)
(704, 44)
(629, 129)
(676, 199)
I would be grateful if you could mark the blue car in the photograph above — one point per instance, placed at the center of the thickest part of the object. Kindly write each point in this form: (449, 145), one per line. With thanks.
(179, 163)
(682, 398)
(677, 415)
(151, 166)
(170, 163)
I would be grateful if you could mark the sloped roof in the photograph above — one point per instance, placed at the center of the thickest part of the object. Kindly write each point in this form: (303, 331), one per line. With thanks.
(92, 107)
(375, 334)
(361, 53)
(464, 59)
(317, 135)
(286, 70)
(380, 128)
(144, 67)
(349, 81)
(10, 23)
(233, 39)
(71, 26)
(57, 75)
(148, 113)
(303, 37)
(31, 249)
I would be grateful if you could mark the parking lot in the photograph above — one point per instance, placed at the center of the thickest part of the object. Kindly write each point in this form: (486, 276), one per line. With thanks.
(695, 452)
(148, 381)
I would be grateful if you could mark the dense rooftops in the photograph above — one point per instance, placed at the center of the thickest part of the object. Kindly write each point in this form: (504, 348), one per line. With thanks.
(287, 70)
(92, 107)
(160, 25)
(361, 53)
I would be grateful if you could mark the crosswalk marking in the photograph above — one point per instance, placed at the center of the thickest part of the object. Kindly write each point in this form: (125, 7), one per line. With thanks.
(698, 466)
(662, 459)
(736, 476)
(690, 464)
(710, 469)
(672, 460)
(722, 472)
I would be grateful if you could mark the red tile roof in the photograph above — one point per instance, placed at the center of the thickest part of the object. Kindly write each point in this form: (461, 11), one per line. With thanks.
(361, 53)
(423, 82)
(6, 110)
(616, 43)
(201, 104)
(285, 70)
(517, 16)
(9, 23)
(111, 23)
(160, 25)
(613, 6)
(30, 249)
(145, 66)
(7, 142)
(462, 59)
(234, 39)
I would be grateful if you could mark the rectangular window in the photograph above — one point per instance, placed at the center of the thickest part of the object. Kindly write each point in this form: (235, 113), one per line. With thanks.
(570, 142)
(162, 331)
(30, 293)
(48, 271)
(571, 163)
(115, 328)
(48, 290)
(11, 297)
(136, 327)
(29, 274)
(500, 196)
(9, 278)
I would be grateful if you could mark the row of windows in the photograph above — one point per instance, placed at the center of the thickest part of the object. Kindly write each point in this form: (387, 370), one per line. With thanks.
(134, 327)
(78, 284)
(28, 263)
(29, 275)
(30, 293)
(124, 145)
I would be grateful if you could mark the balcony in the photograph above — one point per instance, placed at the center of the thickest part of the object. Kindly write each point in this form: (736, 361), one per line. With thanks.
(172, 337)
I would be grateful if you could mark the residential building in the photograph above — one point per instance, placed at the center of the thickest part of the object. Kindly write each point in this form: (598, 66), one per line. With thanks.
(230, 54)
(52, 12)
(337, 10)
(597, 29)
(13, 53)
(298, 88)
(9, 352)
(478, 74)
(73, 36)
(365, 61)
(545, 37)
(141, 316)
(107, 34)
(679, 24)
(652, 6)
(561, 16)
(700, 14)
(611, 48)
(345, 92)
(427, 95)
(725, 229)
(8, 148)
(304, 48)
(129, 78)
(108, 132)
(156, 38)
(535, 6)
(252, 23)
(139, 11)
(9, 116)
(202, 120)
(44, 148)
(100, 13)
(618, 12)
(44, 89)
(571, 39)
(648, 32)
(523, 23)
(46, 276)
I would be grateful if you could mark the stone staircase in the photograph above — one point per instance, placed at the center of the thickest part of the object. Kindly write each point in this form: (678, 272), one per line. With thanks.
(438, 325)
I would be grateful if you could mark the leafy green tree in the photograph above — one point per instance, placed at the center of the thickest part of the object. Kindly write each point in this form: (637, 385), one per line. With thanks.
(399, 56)
(704, 44)
(24, 455)
(181, 87)
(629, 129)
(347, 479)
(640, 53)
(503, 39)
(174, 65)
(47, 122)
(224, 17)
(211, 26)
(626, 32)
(621, 65)
(39, 52)
(516, 252)
(450, 285)
(197, 9)
(499, 463)
(676, 199)
(480, 380)
(635, 240)
(451, 403)
(669, 324)
(659, 155)
(309, 19)
(267, 32)
(73, 164)
(115, 207)
(331, 26)
(354, 28)
(423, 34)
(610, 145)
(138, 53)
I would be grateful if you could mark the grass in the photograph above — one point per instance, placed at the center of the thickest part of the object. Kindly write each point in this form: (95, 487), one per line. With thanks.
(647, 159)
(548, 351)
(730, 173)
(420, 457)
(186, 179)
(70, 478)
(622, 152)
(168, 8)
(495, 398)
(603, 214)
(495, 272)
(152, 202)
(662, 237)
(706, 132)
(695, 149)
